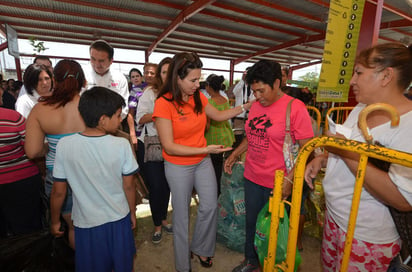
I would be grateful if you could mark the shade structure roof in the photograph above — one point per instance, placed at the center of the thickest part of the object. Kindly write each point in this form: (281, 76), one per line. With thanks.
(291, 32)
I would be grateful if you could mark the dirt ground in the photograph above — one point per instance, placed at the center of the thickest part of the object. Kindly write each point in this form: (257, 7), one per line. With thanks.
(151, 258)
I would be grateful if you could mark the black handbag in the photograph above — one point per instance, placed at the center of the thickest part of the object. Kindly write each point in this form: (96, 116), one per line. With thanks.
(402, 220)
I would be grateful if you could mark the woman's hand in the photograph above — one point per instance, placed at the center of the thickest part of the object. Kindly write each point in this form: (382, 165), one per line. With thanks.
(248, 105)
(287, 188)
(55, 229)
(133, 138)
(216, 149)
(235, 156)
(313, 168)
(229, 163)
(133, 219)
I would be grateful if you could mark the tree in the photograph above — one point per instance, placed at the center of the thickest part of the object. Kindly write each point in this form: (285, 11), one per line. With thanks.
(37, 46)
(311, 77)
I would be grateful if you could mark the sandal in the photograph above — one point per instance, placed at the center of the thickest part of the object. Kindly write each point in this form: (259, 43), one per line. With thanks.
(205, 263)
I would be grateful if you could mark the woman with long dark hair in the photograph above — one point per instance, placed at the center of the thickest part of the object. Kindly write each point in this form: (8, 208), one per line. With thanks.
(180, 115)
(153, 171)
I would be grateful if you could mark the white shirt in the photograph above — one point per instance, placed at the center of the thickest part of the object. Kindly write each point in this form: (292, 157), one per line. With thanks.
(146, 106)
(374, 223)
(113, 80)
(22, 91)
(93, 167)
(26, 102)
(241, 97)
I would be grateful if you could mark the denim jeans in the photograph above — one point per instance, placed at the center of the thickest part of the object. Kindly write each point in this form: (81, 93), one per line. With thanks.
(256, 197)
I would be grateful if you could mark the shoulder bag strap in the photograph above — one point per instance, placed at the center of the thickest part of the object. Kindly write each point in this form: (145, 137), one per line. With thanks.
(288, 110)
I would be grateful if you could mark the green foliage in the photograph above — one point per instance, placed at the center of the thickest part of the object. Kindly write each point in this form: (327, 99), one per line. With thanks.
(37, 45)
(226, 83)
(311, 77)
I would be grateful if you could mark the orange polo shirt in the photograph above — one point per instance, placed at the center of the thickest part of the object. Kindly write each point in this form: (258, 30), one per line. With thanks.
(188, 127)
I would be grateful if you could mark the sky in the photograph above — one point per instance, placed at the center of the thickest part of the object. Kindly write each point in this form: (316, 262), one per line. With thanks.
(82, 51)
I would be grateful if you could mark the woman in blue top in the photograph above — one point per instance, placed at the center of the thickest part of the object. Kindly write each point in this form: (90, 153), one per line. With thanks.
(53, 118)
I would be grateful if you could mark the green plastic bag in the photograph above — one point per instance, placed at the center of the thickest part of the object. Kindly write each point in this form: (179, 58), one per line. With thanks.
(262, 237)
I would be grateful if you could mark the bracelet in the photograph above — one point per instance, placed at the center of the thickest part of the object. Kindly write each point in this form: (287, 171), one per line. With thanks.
(243, 108)
(288, 179)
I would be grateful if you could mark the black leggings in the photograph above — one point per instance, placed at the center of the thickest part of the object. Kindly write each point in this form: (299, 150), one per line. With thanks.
(217, 161)
(154, 177)
(21, 206)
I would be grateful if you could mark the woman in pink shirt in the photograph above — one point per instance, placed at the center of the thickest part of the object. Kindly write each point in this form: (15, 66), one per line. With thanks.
(265, 133)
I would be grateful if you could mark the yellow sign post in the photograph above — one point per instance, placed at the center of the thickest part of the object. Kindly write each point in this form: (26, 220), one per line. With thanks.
(345, 17)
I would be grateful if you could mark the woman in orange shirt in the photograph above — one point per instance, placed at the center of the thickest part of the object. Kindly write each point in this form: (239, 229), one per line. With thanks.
(180, 116)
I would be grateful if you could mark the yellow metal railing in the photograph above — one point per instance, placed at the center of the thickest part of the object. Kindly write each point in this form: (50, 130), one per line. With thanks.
(341, 115)
(316, 115)
(365, 150)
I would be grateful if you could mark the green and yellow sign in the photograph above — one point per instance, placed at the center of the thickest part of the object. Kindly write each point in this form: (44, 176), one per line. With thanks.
(341, 41)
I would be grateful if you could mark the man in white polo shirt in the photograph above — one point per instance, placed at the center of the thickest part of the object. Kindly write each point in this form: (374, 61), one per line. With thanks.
(100, 74)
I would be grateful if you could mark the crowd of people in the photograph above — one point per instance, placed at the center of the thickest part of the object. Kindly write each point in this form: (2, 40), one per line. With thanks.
(57, 138)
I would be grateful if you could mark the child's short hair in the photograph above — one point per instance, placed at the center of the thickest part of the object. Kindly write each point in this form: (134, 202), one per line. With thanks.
(99, 101)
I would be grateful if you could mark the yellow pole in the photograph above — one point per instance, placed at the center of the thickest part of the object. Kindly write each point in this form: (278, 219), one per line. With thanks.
(275, 204)
(315, 111)
(295, 209)
(344, 110)
(360, 176)
(363, 149)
